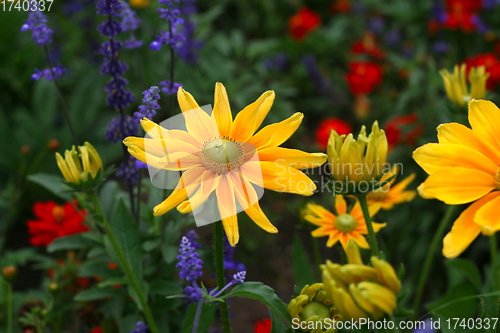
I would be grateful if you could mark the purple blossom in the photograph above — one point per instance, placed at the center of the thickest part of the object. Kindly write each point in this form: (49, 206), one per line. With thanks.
(230, 264)
(128, 172)
(47, 74)
(279, 62)
(151, 97)
(392, 37)
(114, 129)
(193, 292)
(441, 47)
(140, 327)
(37, 23)
(169, 37)
(480, 25)
(319, 80)
(130, 23)
(192, 236)
(238, 278)
(188, 51)
(166, 87)
(488, 4)
(190, 263)
(376, 24)
(426, 328)
(139, 164)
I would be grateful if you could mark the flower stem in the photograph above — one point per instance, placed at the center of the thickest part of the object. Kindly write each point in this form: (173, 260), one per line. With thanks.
(317, 257)
(61, 97)
(430, 255)
(9, 307)
(494, 259)
(368, 221)
(126, 265)
(198, 315)
(219, 269)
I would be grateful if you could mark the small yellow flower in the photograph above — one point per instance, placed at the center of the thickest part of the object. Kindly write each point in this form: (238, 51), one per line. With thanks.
(313, 305)
(360, 291)
(353, 161)
(71, 168)
(464, 167)
(216, 155)
(389, 195)
(343, 226)
(456, 86)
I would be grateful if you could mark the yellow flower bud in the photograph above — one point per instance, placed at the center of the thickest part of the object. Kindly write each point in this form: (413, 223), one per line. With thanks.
(352, 160)
(455, 84)
(386, 274)
(71, 167)
(9, 273)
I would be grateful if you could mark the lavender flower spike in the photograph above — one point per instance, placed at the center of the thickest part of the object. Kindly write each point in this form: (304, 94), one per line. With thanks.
(238, 278)
(169, 37)
(151, 97)
(37, 23)
(190, 263)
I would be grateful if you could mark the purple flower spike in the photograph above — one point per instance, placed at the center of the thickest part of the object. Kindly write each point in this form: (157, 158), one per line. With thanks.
(140, 327)
(114, 129)
(151, 97)
(166, 87)
(190, 263)
(47, 74)
(37, 23)
(239, 277)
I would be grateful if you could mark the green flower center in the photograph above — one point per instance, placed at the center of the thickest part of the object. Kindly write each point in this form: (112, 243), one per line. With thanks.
(222, 155)
(315, 309)
(345, 223)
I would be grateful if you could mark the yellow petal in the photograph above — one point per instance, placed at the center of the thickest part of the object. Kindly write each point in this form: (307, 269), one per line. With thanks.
(61, 163)
(227, 209)
(258, 216)
(249, 119)
(464, 229)
(488, 215)
(292, 157)
(275, 134)
(459, 134)
(386, 274)
(319, 211)
(433, 157)
(200, 125)
(186, 100)
(352, 253)
(379, 296)
(222, 110)
(484, 117)
(160, 148)
(278, 177)
(208, 183)
(457, 185)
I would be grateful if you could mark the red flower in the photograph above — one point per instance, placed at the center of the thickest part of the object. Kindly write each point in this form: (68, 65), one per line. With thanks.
(460, 14)
(98, 329)
(491, 64)
(112, 265)
(325, 128)
(302, 23)
(363, 77)
(263, 326)
(368, 46)
(55, 221)
(340, 6)
(407, 124)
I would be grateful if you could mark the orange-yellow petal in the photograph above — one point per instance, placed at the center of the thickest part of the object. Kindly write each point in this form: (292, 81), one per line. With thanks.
(457, 185)
(488, 216)
(433, 157)
(340, 204)
(227, 209)
(292, 157)
(186, 100)
(275, 134)
(464, 229)
(208, 183)
(484, 118)
(250, 118)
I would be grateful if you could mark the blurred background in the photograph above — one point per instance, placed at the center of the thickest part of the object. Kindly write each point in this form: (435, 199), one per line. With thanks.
(342, 63)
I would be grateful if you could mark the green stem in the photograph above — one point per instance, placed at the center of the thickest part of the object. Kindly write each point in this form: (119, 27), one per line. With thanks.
(368, 220)
(126, 265)
(219, 270)
(430, 255)
(9, 307)
(317, 256)
(494, 259)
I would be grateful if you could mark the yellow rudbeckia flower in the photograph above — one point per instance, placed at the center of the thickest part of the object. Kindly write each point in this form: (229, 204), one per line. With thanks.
(464, 167)
(344, 226)
(390, 194)
(360, 291)
(456, 86)
(215, 155)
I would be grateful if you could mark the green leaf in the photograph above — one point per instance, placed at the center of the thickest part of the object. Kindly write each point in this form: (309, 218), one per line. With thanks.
(301, 267)
(460, 269)
(165, 288)
(112, 282)
(278, 326)
(206, 317)
(96, 294)
(53, 184)
(72, 242)
(169, 252)
(263, 294)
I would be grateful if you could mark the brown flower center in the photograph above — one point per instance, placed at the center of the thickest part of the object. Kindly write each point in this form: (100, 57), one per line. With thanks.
(222, 155)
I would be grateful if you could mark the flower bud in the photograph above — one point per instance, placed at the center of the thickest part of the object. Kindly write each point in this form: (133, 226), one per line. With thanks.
(9, 273)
